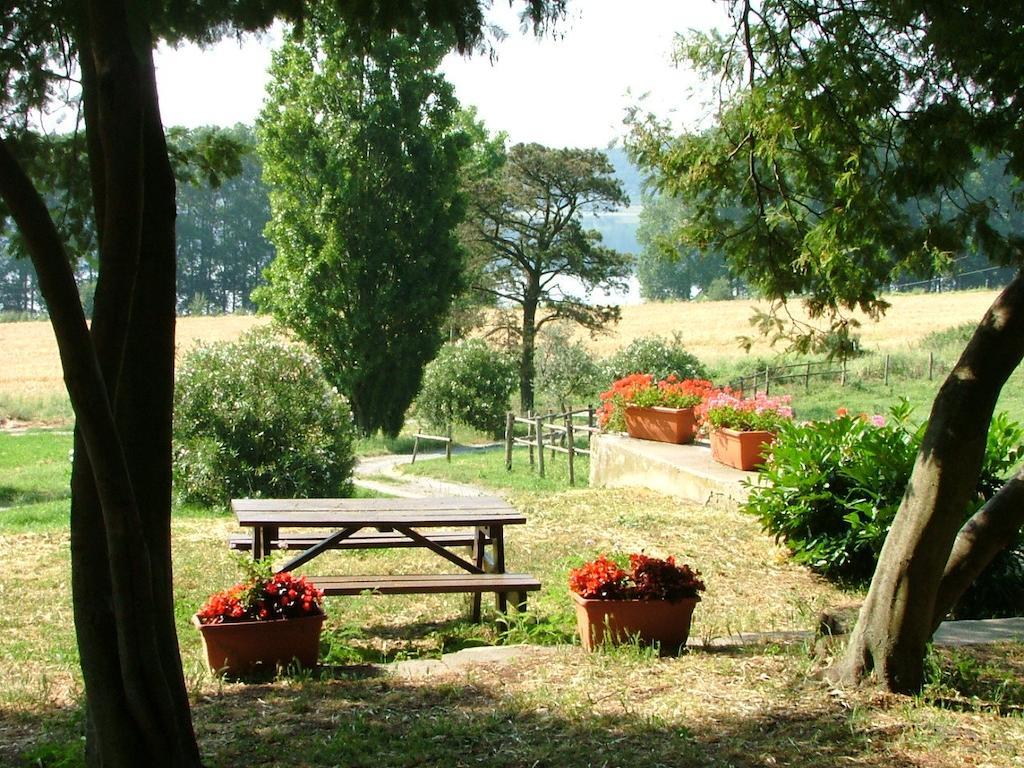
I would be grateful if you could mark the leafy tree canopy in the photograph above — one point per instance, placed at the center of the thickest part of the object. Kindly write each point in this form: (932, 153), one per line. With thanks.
(833, 119)
(665, 268)
(845, 138)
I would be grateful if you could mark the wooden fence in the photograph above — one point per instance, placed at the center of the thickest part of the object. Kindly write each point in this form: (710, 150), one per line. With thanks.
(760, 382)
(446, 439)
(555, 432)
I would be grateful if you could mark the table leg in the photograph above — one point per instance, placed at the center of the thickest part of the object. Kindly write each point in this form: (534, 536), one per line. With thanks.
(498, 539)
(478, 559)
(262, 538)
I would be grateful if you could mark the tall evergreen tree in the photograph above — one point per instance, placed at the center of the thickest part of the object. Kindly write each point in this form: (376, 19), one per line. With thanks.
(527, 234)
(362, 158)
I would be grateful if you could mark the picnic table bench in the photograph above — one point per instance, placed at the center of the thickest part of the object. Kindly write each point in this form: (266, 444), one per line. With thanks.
(347, 524)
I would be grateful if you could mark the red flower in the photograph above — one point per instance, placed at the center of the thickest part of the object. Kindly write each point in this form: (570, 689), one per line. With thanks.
(280, 597)
(648, 579)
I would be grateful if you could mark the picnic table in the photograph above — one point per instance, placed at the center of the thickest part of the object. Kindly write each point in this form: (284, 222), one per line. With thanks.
(438, 524)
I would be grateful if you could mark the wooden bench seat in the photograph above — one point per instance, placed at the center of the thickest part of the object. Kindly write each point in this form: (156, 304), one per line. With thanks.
(434, 583)
(367, 539)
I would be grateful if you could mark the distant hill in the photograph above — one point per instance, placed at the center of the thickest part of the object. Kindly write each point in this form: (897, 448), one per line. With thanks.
(618, 229)
(632, 178)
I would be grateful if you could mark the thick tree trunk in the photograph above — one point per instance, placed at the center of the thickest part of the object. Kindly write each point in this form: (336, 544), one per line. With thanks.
(120, 378)
(898, 616)
(527, 367)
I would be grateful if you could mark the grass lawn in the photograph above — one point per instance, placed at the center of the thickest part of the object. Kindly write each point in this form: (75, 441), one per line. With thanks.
(557, 706)
(486, 468)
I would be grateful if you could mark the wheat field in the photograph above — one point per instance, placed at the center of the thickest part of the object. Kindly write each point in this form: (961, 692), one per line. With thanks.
(30, 367)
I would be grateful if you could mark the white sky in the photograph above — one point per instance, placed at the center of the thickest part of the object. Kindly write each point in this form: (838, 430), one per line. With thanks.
(570, 91)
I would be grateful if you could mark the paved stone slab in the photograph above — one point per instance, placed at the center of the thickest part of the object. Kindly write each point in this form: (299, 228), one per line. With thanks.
(982, 631)
(464, 659)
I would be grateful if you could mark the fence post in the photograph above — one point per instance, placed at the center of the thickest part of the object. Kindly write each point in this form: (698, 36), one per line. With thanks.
(807, 378)
(886, 375)
(931, 364)
(529, 435)
(415, 448)
(767, 381)
(572, 449)
(448, 445)
(539, 422)
(510, 436)
(551, 438)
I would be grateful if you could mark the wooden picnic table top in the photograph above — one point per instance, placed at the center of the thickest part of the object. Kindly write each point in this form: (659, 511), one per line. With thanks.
(432, 512)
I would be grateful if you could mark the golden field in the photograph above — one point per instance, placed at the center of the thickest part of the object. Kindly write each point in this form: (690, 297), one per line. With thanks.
(29, 366)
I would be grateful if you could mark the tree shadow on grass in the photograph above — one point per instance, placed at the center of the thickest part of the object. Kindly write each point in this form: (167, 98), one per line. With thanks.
(454, 722)
(516, 715)
(357, 720)
(37, 738)
(12, 496)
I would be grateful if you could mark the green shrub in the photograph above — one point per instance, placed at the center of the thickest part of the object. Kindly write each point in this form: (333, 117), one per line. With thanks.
(257, 418)
(657, 356)
(719, 289)
(470, 383)
(567, 373)
(956, 337)
(831, 490)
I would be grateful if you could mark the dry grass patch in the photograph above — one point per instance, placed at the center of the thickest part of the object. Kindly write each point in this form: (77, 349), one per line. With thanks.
(710, 329)
(751, 584)
(30, 368)
(562, 707)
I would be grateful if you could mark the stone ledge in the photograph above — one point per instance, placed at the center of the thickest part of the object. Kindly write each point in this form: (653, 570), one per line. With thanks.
(686, 471)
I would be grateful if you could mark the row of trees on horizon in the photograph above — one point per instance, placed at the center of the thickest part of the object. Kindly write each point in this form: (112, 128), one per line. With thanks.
(222, 247)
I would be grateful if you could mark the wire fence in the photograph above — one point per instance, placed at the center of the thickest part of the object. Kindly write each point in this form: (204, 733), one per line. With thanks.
(885, 369)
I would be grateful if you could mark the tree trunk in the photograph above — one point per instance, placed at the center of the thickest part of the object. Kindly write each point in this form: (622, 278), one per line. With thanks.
(119, 376)
(899, 614)
(993, 528)
(527, 368)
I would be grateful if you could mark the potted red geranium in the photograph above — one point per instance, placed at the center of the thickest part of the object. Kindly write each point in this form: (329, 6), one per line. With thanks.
(269, 619)
(652, 601)
(654, 410)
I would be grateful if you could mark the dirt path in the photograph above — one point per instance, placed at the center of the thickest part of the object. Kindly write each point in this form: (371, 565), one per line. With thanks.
(381, 474)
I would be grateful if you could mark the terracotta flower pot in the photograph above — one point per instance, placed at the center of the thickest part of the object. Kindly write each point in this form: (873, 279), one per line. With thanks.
(666, 425)
(742, 450)
(240, 647)
(666, 622)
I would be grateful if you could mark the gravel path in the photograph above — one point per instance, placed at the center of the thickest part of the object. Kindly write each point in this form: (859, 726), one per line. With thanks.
(381, 474)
